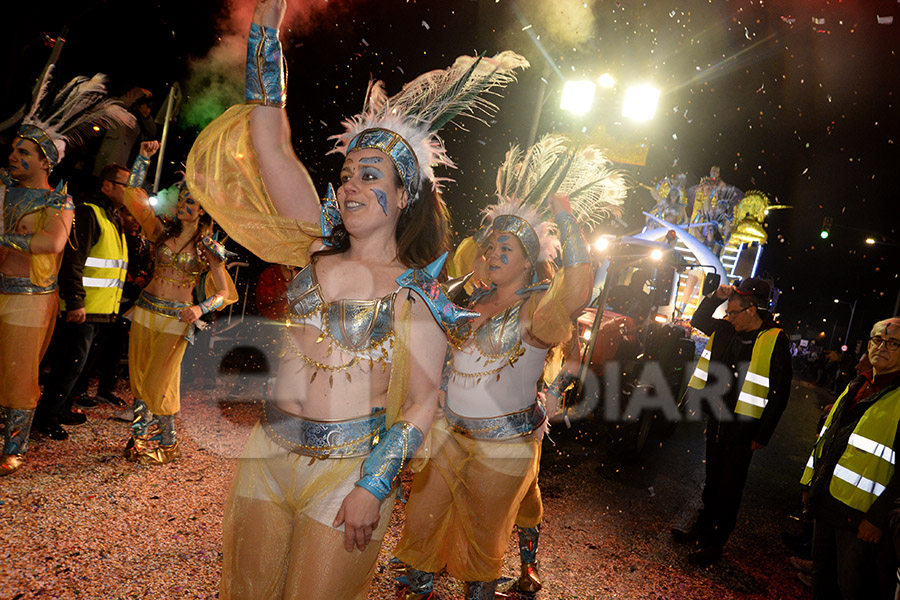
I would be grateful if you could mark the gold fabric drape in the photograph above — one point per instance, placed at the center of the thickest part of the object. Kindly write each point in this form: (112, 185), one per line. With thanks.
(223, 175)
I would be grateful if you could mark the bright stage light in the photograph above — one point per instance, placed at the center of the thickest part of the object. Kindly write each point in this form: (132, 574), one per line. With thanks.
(578, 96)
(656, 254)
(870, 241)
(640, 102)
(601, 244)
(153, 200)
(606, 80)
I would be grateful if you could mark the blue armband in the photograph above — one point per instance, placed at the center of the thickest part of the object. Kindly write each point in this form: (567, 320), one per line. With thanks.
(214, 302)
(17, 241)
(266, 73)
(574, 248)
(382, 468)
(139, 171)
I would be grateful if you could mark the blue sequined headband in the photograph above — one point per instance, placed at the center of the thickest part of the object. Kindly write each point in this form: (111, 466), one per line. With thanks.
(398, 149)
(520, 228)
(44, 142)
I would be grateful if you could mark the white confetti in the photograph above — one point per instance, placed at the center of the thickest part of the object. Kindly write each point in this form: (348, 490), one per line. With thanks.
(426, 25)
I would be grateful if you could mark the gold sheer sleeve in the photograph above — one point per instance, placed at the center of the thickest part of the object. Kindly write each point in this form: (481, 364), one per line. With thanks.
(223, 175)
(551, 313)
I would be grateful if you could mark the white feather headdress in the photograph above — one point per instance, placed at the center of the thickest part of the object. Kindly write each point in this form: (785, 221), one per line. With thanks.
(405, 126)
(70, 116)
(553, 165)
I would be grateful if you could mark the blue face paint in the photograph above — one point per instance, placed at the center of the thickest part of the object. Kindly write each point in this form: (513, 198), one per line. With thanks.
(188, 210)
(382, 199)
(504, 259)
(503, 238)
(24, 164)
(373, 160)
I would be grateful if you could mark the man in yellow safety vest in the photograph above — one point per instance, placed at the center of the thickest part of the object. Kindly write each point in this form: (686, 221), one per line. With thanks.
(849, 479)
(742, 382)
(91, 280)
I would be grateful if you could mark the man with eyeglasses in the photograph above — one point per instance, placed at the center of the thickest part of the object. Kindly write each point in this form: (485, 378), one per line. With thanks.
(849, 480)
(91, 279)
(742, 381)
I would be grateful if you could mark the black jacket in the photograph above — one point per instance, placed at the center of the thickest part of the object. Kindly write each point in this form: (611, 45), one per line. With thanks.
(85, 233)
(734, 349)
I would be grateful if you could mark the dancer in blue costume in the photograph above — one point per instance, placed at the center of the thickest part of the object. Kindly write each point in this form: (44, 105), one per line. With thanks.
(357, 386)
(35, 221)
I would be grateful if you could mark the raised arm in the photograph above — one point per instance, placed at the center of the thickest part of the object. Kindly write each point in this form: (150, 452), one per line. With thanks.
(287, 182)
(552, 313)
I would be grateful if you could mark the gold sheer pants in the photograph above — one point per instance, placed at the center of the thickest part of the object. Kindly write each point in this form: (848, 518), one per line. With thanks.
(464, 503)
(155, 350)
(26, 324)
(278, 539)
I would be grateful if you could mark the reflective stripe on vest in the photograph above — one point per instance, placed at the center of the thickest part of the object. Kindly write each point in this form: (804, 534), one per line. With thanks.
(105, 268)
(701, 372)
(754, 393)
(867, 463)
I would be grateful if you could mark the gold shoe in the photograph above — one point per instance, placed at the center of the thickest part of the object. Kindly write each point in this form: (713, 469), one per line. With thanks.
(140, 444)
(530, 581)
(160, 455)
(413, 596)
(10, 463)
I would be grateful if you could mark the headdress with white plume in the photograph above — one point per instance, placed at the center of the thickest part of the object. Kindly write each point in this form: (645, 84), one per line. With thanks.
(71, 115)
(405, 126)
(554, 165)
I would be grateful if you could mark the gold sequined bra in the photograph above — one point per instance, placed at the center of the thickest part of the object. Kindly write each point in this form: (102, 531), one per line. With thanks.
(185, 263)
(363, 329)
(497, 340)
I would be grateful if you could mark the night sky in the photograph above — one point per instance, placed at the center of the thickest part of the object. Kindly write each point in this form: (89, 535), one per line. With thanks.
(796, 98)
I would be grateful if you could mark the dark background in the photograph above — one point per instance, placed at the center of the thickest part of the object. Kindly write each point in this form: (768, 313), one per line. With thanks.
(806, 112)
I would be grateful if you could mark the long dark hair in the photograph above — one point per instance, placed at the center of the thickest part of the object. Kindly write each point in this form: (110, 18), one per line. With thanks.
(422, 234)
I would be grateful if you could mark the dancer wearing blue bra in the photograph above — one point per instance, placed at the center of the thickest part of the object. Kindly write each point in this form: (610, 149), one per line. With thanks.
(356, 387)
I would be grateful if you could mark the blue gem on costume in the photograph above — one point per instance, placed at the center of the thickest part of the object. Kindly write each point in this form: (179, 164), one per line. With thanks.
(424, 282)
(330, 214)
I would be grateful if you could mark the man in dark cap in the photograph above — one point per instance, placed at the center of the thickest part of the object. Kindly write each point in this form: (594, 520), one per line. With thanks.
(742, 382)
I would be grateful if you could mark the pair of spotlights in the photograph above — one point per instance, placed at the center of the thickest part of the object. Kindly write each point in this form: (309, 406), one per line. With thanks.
(639, 103)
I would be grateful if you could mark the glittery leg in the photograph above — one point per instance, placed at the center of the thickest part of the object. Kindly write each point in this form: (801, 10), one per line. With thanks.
(17, 427)
(530, 580)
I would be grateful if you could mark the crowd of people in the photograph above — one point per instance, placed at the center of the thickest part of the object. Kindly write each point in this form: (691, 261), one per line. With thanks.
(380, 369)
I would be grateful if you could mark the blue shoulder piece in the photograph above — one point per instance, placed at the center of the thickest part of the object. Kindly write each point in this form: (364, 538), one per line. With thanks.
(424, 282)
(212, 243)
(330, 217)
